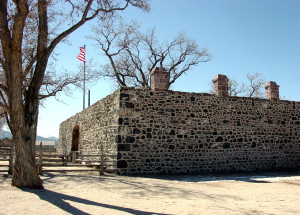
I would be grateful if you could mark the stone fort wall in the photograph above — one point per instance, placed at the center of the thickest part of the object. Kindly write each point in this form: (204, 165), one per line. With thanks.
(98, 126)
(177, 132)
(155, 130)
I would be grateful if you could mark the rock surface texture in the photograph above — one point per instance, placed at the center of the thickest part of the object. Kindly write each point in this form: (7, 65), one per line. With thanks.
(155, 132)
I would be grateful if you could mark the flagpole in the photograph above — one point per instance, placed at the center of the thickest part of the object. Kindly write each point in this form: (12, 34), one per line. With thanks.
(84, 83)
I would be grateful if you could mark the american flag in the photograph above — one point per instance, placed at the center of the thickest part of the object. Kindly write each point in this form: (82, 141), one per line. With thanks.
(81, 55)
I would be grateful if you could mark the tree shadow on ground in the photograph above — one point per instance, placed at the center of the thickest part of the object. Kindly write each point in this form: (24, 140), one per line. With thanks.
(164, 186)
(132, 186)
(60, 200)
(149, 188)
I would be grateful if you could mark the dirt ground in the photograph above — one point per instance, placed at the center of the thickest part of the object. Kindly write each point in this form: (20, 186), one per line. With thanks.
(89, 193)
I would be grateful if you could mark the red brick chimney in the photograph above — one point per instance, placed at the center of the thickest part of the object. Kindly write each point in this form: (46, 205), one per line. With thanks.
(159, 79)
(220, 85)
(272, 91)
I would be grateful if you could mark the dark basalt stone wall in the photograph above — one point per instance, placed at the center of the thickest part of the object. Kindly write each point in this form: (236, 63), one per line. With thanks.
(177, 132)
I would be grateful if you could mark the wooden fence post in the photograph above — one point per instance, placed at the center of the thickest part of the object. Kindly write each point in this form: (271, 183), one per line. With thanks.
(63, 158)
(11, 159)
(40, 167)
(74, 156)
(102, 162)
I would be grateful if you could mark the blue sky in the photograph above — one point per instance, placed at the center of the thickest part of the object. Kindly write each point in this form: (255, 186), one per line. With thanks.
(242, 36)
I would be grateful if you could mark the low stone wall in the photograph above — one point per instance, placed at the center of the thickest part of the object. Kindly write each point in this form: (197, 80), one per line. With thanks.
(98, 126)
(176, 132)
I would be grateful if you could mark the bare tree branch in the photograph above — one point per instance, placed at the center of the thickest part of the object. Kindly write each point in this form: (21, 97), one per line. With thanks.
(253, 90)
(235, 88)
(132, 55)
(256, 85)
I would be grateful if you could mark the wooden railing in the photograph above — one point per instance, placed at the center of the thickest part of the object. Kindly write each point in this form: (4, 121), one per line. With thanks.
(7, 155)
(96, 162)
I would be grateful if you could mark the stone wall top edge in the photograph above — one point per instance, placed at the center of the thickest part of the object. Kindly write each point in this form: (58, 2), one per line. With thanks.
(167, 92)
(205, 94)
(93, 105)
(132, 89)
(104, 98)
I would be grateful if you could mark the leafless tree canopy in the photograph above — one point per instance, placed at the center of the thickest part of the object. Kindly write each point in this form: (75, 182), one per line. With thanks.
(29, 32)
(132, 54)
(34, 28)
(253, 89)
(256, 85)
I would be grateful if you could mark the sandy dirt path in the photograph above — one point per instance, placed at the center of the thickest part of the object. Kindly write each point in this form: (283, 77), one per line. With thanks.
(89, 193)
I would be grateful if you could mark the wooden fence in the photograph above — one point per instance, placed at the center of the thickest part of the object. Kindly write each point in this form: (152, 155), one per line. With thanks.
(52, 162)
(6, 155)
(76, 162)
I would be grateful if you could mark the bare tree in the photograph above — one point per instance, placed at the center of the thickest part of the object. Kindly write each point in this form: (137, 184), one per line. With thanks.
(253, 89)
(256, 86)
(235, 88)
(65, 81)
(29, 32)
(132, 55)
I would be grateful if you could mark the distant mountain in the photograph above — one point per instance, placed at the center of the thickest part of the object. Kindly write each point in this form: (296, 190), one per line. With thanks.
(7, 134)
(55, 139)
(46, 138)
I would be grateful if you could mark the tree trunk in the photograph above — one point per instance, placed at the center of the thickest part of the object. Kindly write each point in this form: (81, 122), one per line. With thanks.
(25, 170)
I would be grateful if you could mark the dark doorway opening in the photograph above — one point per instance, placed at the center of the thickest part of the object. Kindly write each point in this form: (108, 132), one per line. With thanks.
(75, 138)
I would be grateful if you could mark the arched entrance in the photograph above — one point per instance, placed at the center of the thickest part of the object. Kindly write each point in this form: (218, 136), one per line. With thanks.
(75, 138)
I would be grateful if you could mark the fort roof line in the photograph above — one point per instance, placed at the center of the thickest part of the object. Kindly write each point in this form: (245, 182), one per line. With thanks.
(160, 79)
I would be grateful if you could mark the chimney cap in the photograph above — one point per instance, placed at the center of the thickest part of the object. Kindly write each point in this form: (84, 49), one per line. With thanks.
(157, 70)
(218, 77)
(270, 83)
